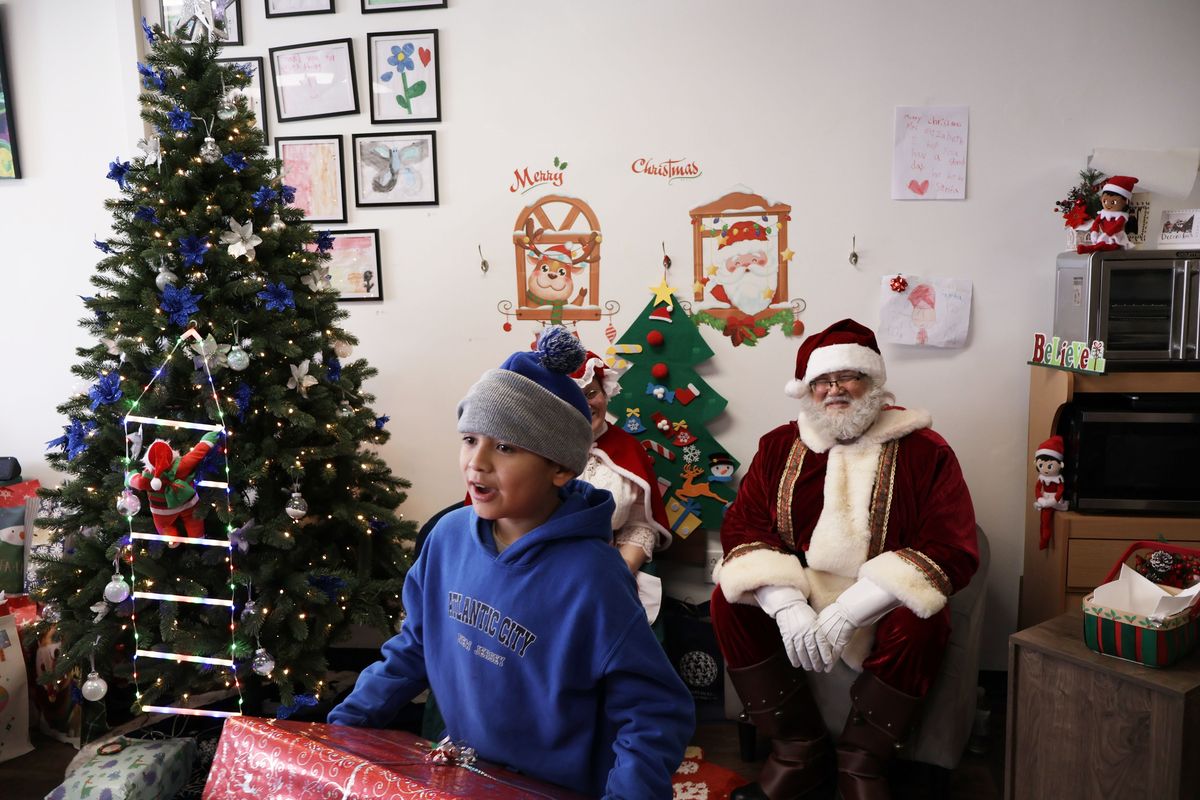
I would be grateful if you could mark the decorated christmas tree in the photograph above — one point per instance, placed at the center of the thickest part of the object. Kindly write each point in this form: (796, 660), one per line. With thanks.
(667, 406)
(226, 516)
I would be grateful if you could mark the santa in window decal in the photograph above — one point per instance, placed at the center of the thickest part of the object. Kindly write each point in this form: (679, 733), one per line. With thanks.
(557, 244)
(741, 258)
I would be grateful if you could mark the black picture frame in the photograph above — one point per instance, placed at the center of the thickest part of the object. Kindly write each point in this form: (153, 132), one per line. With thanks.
(256, 93)
(395, 168)
(384, 112)
(327, 9)
(306, 193)
(291, 103)
(221, 8)
(340, 275)
(402, 5)
(8, 127)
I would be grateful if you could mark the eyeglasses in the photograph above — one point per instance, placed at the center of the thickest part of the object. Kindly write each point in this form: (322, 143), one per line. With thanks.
(844, 381)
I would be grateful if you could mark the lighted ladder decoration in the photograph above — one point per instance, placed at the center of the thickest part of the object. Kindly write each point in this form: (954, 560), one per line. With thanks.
(134, 419)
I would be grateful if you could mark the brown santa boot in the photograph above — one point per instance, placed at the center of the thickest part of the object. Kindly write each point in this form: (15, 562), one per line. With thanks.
(880, 716)
(781, 706)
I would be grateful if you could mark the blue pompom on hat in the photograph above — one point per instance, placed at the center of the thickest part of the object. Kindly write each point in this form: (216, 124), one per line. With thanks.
(532, 402)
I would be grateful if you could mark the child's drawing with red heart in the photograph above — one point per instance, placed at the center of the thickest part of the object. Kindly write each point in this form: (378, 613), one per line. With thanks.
(918, 188)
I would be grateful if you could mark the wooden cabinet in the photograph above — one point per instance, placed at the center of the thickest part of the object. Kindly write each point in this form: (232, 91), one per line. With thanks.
(1084, 726)
(1085, 546)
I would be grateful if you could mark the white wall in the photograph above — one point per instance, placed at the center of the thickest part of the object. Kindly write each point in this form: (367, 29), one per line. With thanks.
(794, 100)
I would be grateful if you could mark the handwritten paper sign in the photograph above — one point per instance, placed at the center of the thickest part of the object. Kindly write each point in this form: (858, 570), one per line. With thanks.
(929, 159)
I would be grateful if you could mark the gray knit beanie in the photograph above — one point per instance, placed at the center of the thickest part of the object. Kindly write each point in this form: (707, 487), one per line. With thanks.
(532, 402)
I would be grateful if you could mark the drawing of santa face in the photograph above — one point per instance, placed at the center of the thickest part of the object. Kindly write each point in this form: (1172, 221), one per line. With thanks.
(550, 278)
(14, 535)
(745, 274)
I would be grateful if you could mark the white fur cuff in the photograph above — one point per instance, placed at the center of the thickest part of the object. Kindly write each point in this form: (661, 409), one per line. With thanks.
(739, 574)
(908, 582)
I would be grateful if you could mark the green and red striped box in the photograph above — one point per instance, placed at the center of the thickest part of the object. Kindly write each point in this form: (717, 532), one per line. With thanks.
(1138, 638)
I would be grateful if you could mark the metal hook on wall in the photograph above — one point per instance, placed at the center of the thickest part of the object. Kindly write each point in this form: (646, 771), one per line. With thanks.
(853, 251)
(483, 265)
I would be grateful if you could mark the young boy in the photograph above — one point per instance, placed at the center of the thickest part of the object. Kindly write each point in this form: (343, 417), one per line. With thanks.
(522, 617)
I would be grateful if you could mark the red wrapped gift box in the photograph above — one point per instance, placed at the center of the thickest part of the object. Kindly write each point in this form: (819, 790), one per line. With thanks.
(261, 759)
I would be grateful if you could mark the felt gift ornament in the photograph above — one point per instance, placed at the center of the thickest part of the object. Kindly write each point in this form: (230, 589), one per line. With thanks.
(661, 422)
(633, 421)
(683, 437)
(660, 392)
(683, 516)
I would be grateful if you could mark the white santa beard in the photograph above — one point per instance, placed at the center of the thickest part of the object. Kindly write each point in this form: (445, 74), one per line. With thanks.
(750, 292)
(851, 421)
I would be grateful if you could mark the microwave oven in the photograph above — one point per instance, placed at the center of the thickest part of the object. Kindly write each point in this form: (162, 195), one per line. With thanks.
(1132, 453)
(1144, 305)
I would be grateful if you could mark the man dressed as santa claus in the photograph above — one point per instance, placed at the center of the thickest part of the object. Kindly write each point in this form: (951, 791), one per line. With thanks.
(849, 533)
(746, 271)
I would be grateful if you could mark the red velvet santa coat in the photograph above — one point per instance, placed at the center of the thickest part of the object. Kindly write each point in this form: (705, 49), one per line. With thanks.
(919, 544)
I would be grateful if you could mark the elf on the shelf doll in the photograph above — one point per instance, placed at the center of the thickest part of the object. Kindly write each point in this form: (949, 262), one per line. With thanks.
(1108, 229)
(1048, 491)
(164, 480)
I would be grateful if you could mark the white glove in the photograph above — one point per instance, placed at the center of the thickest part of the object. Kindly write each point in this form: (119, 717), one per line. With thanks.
(860, 605)
(795, 618)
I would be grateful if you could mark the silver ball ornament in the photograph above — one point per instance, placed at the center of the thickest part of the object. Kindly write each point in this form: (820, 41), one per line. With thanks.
(238, 359)
(94, 688)
(343, 348)
(262, 663)
(117, 589)
(165, 278)
(226, 109)
(128, 504)
(297, 507)
(277, 224)
(209, 152)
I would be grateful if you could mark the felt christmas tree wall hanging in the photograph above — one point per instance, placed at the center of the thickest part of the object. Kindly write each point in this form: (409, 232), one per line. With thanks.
(667, 406)
(225, 516)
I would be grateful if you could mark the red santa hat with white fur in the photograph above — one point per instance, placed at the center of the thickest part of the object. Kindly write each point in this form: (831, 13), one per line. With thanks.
(843, 346)
(1120, 184)
(594, 368)
(159, 458)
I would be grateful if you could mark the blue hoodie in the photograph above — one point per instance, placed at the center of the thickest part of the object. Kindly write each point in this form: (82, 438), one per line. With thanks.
(540, 656)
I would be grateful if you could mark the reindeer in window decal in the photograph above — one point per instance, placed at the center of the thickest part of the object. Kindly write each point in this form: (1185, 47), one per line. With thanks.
(558, 264)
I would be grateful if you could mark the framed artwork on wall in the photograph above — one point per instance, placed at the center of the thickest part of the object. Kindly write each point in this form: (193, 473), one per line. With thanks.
(354, 265)
(251, 66)
(315, 79)
(10, 165)
(405, 85)
(297, 8)
(226, 13)
(369, 6)
(312, 165)
(395, 169)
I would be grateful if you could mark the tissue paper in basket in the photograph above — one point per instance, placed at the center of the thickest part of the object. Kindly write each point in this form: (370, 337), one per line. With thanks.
(1138, 620)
